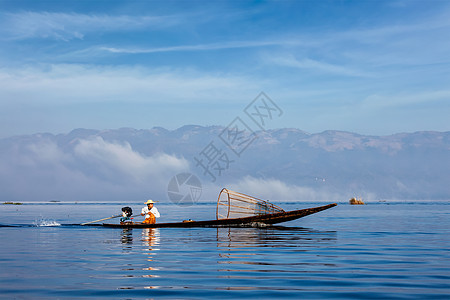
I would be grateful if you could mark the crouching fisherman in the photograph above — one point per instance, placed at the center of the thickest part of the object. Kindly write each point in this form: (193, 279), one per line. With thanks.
(127, 212)
(150, 212)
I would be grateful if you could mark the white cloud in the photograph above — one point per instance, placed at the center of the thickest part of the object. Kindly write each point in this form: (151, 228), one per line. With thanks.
(91, 169)
(361, 51)
(120, 160)
(380, 101)
(200, 47)
(44, 153)
(65, 84)
(274, 190)
(66, 26)
(315, 65)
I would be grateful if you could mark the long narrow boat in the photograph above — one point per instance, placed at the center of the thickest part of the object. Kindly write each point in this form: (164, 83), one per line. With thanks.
(253, 221)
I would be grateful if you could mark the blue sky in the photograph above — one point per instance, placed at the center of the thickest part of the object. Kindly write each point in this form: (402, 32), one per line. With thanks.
(371, 67)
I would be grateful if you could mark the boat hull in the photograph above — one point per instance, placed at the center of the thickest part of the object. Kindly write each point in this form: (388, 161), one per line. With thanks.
(254, 221)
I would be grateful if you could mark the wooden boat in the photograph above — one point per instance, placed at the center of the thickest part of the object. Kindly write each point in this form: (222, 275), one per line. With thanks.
(254, 221)
(236, 210)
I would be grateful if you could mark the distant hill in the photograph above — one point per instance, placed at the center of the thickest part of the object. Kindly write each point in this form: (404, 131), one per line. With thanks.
(283, 164)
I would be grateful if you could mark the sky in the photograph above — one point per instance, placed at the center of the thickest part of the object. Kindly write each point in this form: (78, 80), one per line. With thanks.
(370, 67)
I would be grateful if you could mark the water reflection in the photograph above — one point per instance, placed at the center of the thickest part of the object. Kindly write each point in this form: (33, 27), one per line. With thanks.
(262, 249)
(150, 244)
(150, 241)
(150, 238)
(273, 236)
(225, 258)
(127, 239)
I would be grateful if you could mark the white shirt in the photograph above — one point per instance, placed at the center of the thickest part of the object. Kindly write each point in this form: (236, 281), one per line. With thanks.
(154, 211)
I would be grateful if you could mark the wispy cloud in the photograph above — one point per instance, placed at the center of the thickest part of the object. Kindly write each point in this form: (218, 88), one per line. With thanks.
(68, 26)
(88, 83)
(200, 47)
(311, 64)
(274, 189)
(407, 99)
(193, 55)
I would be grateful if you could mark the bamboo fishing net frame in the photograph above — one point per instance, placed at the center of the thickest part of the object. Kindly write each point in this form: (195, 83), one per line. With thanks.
(232, 204)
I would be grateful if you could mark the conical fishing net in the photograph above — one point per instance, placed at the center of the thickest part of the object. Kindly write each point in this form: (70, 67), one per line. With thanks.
(232, 205)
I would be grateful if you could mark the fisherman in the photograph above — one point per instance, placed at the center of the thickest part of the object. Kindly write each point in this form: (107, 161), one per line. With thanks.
(150, 213)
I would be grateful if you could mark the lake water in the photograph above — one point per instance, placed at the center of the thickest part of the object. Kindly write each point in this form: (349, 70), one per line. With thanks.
(381, 251)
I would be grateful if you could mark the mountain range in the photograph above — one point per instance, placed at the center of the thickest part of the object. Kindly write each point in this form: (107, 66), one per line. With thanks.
(282, 164)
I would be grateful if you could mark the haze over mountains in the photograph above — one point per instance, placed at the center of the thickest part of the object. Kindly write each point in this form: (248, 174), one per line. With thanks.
(283, 164)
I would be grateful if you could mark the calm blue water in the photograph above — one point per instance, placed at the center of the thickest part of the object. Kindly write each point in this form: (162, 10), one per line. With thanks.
(380, 250)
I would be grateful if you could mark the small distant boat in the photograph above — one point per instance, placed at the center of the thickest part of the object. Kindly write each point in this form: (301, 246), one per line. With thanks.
(236, 210)
(355, 201)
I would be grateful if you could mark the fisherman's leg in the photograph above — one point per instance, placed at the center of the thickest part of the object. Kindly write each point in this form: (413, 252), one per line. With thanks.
(150, 220)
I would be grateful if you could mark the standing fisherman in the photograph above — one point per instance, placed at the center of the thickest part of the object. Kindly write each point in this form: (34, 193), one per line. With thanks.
(150, 213)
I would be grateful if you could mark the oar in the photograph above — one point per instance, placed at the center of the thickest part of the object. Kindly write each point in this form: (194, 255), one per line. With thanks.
(101, 220)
